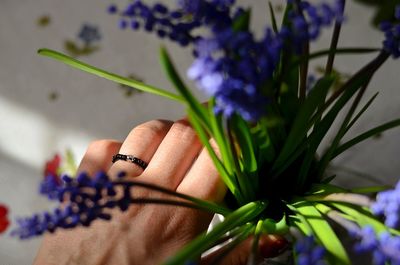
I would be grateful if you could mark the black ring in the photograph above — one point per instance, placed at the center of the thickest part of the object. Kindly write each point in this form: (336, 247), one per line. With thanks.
(129, 158)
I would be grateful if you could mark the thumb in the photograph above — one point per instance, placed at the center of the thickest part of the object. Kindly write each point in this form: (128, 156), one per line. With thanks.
(269, 246)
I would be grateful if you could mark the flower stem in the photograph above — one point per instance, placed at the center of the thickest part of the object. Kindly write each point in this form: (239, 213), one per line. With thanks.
(201, 204)
(334, 42)
(241, 216)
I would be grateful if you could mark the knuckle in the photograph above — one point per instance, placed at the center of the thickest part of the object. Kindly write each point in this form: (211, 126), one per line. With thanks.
(183, 130)
(154, 128)
(100, 145)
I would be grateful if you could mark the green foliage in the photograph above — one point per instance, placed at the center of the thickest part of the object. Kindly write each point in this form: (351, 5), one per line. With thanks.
(272, 167)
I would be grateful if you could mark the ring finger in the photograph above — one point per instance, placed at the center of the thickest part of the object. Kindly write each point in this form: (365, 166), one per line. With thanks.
(142, 142)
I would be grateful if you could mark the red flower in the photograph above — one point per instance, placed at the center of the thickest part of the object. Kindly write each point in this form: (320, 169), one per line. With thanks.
(52, 166)
(3, 218)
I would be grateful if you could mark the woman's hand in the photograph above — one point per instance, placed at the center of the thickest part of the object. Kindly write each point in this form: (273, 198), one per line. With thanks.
(149, 233)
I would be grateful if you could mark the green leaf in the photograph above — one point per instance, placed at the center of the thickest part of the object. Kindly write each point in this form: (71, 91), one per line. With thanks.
(69, 165)
(301, 123)
(366, 135)
(273, 17)
(107, 75)
(245, 139)
(242, 23)
(324, 233)
(337, 51)
(364, 217)
(265, 151)
(218, 134)
(363, 109)
(189, 99)
(228, 180)
(246, 155)
(324, 189)
(196, 247)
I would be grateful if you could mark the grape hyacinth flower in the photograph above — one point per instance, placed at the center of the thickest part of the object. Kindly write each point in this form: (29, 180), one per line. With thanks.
(308, 252)
(385, 248)
(307, 20)
(89, 34)
(391, 44)
(88, 199)
(230, 63)
(388, 205)
(52, 179)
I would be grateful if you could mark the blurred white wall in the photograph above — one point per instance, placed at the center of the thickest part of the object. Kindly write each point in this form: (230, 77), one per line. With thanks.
(33, 127)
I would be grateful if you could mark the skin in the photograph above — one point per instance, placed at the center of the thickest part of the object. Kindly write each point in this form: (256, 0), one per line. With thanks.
(147, 234)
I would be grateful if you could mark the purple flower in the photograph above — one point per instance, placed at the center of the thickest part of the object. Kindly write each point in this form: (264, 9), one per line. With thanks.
(391, 44)
(112, 9)
(88, 200)
(308, 252)
(231, 64)
(388, 205)
(308, 20)
(49, 186)
(385, 248)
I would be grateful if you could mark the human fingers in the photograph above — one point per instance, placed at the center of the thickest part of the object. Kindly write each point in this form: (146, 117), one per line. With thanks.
(98, 156)
(174, 156)
(142, 142)
(203, 180)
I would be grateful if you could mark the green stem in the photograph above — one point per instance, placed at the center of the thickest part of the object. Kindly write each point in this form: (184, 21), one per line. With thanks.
(209, 206)
(329, 52)
(242, 235)
(254, 246)
(107, 75)
(243, 180)
(304, 64)
(326, 158)
(334, 42)
(195, 248)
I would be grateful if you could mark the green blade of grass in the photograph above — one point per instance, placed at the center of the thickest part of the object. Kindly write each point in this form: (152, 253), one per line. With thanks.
(228, 180)
(364, 217)
(107, 75)
(324, 233)
(220, 138)
(360, 113)
(366, 135)
(273, 17)
(245, 140)
(337, 51)
(301, 123)
(189, 99)
(203, 242)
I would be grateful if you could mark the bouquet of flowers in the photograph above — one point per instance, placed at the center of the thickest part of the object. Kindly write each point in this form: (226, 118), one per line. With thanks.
(268, 119)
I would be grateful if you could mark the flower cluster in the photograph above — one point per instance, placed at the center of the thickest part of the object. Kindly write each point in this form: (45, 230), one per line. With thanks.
(308, 252)
(385, 248)
(230, 64)
(156, 18)
(52, 178)
(233, 66)
(388, 204)
(88, 199)
(308, 20)
(176, 24)
(392, 35)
